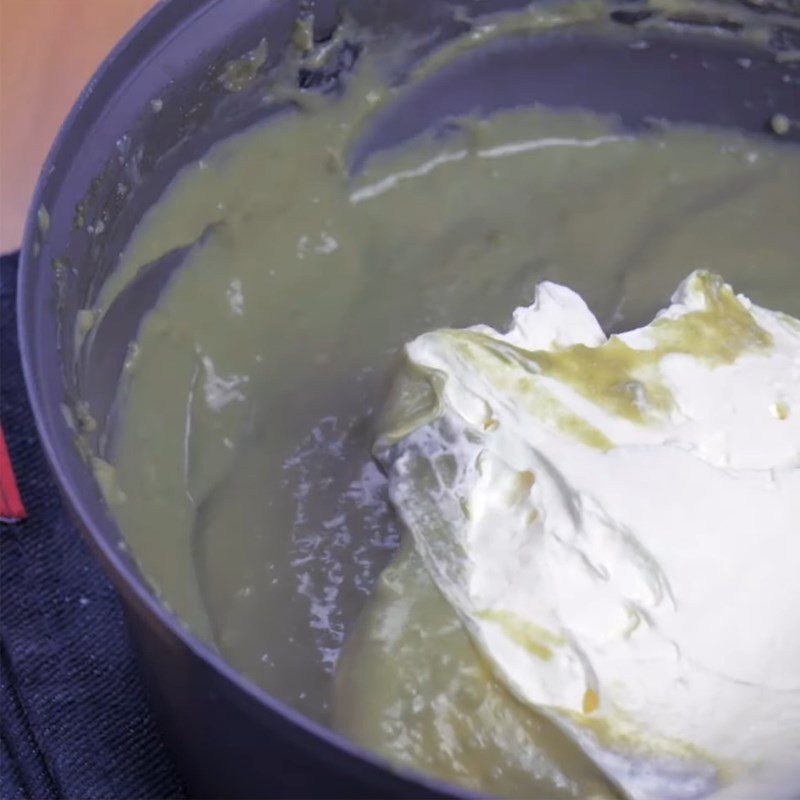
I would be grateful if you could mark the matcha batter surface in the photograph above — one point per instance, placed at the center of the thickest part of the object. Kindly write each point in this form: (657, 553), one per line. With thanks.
(251, 498)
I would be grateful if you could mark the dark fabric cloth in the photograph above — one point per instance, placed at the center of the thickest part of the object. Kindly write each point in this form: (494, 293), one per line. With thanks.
(74, 722)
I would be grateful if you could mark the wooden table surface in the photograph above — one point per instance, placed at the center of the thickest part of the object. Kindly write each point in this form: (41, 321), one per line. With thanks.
(48, 50)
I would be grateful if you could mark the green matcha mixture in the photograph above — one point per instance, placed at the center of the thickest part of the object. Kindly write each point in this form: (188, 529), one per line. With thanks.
(244, 481)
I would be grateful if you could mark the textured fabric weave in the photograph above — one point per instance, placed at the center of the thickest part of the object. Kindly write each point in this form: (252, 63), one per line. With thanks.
(74, 722)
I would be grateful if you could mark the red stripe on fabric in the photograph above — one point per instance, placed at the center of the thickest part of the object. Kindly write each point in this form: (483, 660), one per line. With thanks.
(11, 508)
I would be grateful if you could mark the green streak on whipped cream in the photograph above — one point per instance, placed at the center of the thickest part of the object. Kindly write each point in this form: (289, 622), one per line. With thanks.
(536, 640)
(624, 380)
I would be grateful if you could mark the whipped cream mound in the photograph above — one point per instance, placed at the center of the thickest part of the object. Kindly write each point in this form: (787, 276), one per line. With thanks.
(616, 520)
